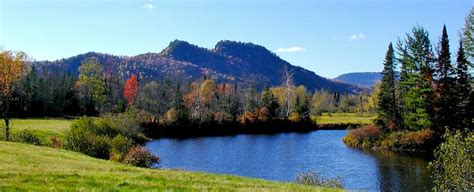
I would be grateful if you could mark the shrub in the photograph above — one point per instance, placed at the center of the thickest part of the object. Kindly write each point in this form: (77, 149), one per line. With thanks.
(141, 157)
(27, 136)
(409, 141)
(83, 137)
(170, 117)
(248, 118)
(453, 167)
(121, 124)
(263, 114)
(362, 137)
(55, 142)
(143, 116)
(119, 147)
(313, 178)
(221, 117)
(294, 117)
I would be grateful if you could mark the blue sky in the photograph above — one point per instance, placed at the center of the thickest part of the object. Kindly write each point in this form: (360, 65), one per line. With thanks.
(329, 37)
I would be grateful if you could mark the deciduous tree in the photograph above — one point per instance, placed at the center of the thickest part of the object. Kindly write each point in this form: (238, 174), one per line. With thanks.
(130, 89)
(91, 86)
(12, 69)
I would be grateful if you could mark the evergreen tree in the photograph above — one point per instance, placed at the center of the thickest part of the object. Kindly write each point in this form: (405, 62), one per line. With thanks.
(302, 107)
(182, 114)
(467, 36)
(445, 88)
(465, 108)
(402, 85)
(416, 82)
(387, 108)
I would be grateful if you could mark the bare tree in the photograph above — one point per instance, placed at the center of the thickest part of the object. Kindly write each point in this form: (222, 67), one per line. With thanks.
(288, 86)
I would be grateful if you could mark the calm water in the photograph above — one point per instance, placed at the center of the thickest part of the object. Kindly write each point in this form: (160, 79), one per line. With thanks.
(281, 157)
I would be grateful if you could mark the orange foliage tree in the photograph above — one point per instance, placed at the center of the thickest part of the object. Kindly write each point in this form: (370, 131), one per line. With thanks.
(130, 89)
(12, 69)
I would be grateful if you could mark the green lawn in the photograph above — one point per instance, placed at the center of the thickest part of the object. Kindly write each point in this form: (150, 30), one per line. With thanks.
(43, 128)
(343, 118)
(48, 125)
(28, 167)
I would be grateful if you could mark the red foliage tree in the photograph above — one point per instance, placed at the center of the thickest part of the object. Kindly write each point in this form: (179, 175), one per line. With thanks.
(130, 89)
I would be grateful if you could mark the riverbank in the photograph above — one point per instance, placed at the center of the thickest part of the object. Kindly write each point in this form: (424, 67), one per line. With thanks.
(334, 121)
(46, 129)
(28, 167)
(370, 137)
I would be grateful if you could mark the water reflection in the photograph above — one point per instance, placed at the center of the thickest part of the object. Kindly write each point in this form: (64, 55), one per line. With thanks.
(283, 156)
(402, 173)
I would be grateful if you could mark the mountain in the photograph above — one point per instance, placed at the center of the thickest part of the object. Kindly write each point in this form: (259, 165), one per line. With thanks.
(363, 79)
(228, 61)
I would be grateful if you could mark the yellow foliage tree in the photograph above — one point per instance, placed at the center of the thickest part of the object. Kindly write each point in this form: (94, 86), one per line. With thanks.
(12, 69)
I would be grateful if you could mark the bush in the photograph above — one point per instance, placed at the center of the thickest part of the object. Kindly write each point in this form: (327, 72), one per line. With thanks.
(453, 167)
(248, 118)
(119, 146)
(364, 137)
(27, 136)
(121, 124)
(221, 117)
(141, 157)
(409, 141)
(294, 117)
(313, 178)
(55, 142)
(170, 117)
(83, 137)
(263, 114)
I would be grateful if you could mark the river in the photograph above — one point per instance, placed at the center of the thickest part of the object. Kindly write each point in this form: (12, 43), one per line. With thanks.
(282, 157)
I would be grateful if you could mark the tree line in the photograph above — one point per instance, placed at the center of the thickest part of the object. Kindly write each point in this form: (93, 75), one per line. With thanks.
(39, 91)
(433, 91)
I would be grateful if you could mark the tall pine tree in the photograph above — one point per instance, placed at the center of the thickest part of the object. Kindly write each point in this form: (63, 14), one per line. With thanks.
(445, 88)
(465, 108)
(467, 36)
(416, 83)
(387, 107)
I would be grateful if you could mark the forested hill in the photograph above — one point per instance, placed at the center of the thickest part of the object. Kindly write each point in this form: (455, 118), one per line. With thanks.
(364, 79)
(229, 61)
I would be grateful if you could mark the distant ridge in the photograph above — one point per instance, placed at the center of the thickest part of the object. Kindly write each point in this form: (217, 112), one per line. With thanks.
(363, 79)
(228, 61)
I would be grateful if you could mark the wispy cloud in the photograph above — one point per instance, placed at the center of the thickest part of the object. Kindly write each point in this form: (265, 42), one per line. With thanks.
(149, 6)
(290, 49)
(356, 37)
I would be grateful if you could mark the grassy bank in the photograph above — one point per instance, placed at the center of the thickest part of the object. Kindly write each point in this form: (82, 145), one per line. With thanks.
(48, 131)
(344, 118)
(28, 167)
(45, 126)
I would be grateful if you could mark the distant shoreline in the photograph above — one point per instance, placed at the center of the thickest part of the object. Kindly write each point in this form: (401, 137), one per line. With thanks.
(156, 131)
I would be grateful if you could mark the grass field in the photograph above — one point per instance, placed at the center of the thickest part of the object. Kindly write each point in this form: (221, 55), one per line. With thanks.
(344, 118)
(44, 128)
(28, 167)
(48, 125)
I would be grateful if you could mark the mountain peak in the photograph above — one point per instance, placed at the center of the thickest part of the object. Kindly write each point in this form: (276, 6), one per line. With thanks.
(227, 47)
(241, 62)
(179, 46)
